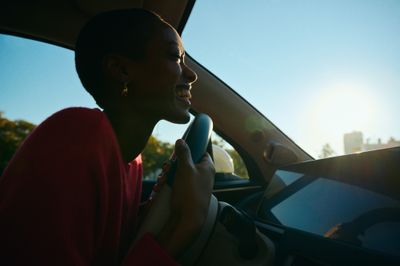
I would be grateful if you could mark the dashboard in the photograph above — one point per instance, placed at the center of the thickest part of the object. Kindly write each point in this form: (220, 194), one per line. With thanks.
(334, 211)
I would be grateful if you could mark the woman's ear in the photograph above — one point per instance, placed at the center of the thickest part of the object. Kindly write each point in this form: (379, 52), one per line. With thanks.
(118, 68)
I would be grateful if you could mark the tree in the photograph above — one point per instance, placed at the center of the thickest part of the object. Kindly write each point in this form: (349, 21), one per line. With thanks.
(154, 155)
(326, 151)
(12, 133)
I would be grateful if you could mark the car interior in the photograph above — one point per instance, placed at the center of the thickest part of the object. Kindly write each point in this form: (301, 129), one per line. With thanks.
(293, 209)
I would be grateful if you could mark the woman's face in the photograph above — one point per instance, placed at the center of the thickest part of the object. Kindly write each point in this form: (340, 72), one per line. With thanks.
(162, 82)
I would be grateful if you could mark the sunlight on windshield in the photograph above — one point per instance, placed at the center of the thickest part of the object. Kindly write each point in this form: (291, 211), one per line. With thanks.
(347, 106)
(324, 72)
(342, 108)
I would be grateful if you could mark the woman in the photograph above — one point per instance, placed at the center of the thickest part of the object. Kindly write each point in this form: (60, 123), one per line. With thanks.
(70, 195)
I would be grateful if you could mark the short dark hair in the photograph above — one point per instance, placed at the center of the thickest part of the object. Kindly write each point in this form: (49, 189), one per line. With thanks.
(126, 32)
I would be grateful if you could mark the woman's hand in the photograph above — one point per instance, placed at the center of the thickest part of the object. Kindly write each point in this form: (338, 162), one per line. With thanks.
(192, 187)
(191, 194)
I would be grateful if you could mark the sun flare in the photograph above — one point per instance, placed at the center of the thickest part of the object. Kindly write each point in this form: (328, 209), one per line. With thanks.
(345, 109)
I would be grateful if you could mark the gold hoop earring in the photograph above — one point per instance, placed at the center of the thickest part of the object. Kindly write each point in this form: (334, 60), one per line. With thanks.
(124, 91)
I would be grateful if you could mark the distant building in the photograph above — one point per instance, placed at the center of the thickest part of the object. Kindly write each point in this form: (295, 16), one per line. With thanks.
(353, 142)
(379, 145)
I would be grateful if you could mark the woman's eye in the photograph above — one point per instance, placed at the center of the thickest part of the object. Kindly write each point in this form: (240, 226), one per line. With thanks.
(176, 56)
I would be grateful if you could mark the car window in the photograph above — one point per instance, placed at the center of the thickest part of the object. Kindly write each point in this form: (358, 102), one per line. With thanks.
(325, 72)
(36, 80)
(230, 165)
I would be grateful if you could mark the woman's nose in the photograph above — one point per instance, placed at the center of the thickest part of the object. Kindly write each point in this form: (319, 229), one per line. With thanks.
(189, 75)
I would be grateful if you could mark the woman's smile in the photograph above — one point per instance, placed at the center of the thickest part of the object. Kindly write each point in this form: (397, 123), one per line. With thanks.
(183, 94)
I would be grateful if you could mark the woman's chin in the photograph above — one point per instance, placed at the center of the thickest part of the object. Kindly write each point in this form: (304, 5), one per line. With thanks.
(182, 117)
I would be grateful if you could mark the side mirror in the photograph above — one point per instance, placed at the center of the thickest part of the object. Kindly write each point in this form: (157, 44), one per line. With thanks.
(223, 162)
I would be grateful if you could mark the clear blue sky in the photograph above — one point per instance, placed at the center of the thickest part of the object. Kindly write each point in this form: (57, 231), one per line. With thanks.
(317, 69)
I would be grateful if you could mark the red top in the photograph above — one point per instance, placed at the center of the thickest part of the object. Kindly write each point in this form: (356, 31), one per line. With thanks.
(68, 198)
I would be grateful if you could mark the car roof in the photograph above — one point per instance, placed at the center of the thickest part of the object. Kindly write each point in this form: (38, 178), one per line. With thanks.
(31, 18)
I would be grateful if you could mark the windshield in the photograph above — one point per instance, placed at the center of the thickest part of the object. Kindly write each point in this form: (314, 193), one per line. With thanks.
(324, 72)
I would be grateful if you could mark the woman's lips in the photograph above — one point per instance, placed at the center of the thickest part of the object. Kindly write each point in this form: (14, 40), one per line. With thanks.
(184, 95)
(184, 100)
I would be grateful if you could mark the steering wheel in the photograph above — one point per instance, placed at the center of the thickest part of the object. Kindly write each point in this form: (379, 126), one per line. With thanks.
(198, 138)
(351, 231)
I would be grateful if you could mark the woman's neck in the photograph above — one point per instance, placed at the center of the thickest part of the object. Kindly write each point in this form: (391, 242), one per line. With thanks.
(132, 132)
